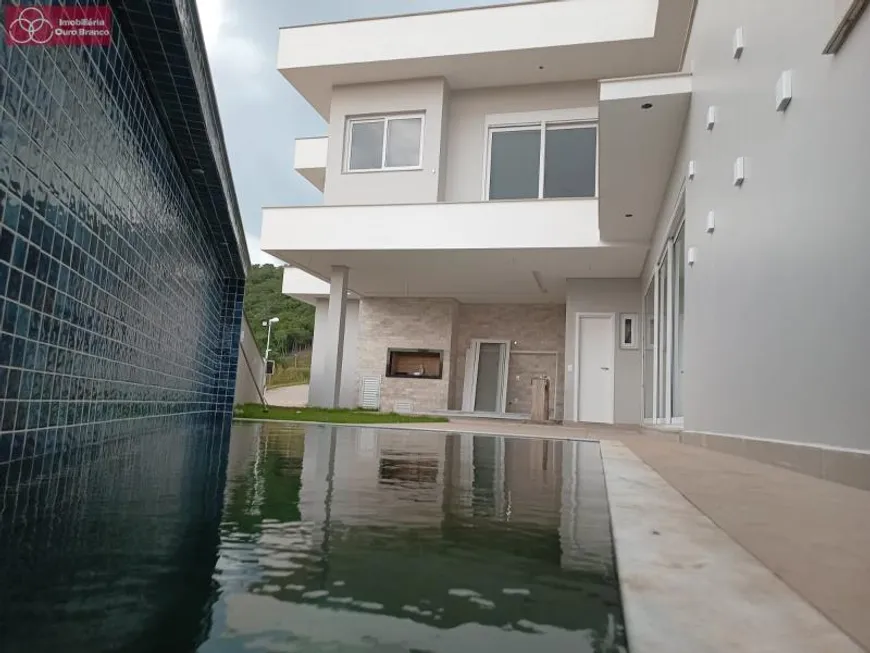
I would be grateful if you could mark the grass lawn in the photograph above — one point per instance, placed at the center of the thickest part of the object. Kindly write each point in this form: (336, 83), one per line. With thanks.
(285, 376)
(335, 415)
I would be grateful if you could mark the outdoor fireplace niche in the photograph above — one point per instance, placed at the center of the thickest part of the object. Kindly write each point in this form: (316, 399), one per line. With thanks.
(414, 363)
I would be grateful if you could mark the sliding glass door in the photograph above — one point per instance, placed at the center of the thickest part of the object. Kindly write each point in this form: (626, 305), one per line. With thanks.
(663, 316)
(649, 343)
(662, 340)
(679, 314)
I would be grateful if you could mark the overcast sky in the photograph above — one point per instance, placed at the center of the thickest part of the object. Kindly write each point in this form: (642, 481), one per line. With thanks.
(261, 113)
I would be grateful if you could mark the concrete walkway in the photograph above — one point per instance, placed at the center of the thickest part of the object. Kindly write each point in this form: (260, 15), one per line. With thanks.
(291, 395)
(812, 534)
(687, 587)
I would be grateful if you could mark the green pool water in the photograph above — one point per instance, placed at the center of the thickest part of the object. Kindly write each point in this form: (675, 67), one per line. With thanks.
(317, 538)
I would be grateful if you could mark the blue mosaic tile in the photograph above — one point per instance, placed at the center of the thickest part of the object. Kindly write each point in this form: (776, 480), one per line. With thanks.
(121, 274)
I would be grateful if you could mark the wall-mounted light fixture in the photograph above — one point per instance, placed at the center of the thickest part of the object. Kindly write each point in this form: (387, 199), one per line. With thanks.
(738, 43)
(711, 222)
(784, 90)
(711, 118)
(739, 170)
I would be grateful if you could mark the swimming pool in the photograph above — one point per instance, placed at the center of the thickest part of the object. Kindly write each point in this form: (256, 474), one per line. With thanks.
(281, 537)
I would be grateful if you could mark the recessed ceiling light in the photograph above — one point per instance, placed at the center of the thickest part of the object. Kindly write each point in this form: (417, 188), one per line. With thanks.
(646, 105)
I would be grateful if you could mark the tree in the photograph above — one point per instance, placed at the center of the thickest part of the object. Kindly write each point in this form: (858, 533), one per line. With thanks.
(264, 300)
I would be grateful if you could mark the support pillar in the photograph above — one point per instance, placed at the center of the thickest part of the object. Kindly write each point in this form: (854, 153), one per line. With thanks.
(336, 317)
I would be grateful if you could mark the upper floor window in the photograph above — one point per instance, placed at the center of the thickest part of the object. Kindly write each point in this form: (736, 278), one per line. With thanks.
(546, 159)
(384, 143)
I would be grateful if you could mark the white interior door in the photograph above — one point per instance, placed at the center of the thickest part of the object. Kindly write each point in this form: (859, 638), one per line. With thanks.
(595, 353)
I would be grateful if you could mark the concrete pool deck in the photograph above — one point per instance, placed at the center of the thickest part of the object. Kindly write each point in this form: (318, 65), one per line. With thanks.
(788, 563)
(687, 586)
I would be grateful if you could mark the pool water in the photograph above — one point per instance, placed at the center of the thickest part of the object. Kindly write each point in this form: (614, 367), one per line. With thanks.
(312, 538)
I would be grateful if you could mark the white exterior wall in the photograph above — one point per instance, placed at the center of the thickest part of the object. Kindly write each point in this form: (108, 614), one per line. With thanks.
(777, 313)
(251, 372)
(425, 96)
(605, 296)
(466, 138)
(318, 389)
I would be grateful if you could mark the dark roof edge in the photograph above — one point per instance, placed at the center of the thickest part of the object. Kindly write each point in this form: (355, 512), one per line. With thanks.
(210, 152)
(213, 120)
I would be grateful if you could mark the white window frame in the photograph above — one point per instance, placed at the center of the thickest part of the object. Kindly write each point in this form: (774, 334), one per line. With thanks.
(386, 119)
(586, 118)
(470, 383)
(665, 260)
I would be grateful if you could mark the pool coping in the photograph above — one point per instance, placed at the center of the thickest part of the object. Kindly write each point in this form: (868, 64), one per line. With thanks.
(687, 587)
(431, 427)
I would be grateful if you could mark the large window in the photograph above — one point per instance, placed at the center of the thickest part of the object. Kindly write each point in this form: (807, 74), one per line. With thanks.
(384, 143)
(542, 160)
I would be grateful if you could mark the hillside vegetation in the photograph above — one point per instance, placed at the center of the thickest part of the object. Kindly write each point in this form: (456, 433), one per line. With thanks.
(263, 300)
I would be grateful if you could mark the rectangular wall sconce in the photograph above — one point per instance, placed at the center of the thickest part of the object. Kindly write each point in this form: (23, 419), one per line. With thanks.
(711, 118)
(783, 90)
(691, 255)
(739, 170)
(711, 222)
(738, 43)
(691, 173)
(629, 327)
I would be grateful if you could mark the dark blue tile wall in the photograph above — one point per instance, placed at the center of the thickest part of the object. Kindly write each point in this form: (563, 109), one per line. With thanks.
(119, 300)
(112, 547)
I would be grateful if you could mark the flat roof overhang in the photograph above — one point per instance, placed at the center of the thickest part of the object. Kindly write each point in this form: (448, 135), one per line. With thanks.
(527, 43)
(640, 125)
(309, 159)
(519, 251)
(305, 287)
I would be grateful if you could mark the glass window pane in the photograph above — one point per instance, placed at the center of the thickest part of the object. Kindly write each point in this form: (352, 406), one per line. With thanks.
(662, 340)
(649, 343)
(679, 319)
(403, 142)
(366, 145)
(515, 159)
(569, 162)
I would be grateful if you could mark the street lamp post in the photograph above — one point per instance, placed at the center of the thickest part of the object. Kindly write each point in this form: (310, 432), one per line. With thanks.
(268, 323)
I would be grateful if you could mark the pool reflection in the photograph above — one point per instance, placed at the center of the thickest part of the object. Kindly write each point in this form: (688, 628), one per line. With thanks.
(279, 537)
(338, 538)
(111, 546)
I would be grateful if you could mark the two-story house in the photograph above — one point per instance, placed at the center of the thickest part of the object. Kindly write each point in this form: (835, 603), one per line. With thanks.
(660, 205)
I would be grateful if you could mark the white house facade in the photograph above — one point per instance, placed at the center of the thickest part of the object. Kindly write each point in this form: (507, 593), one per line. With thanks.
(660, 205)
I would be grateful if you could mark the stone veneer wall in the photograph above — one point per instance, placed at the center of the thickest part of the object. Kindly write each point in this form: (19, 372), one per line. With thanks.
(386, 323)
(534, 327)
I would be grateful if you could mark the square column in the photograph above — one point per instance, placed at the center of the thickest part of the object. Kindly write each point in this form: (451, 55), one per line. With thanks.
(336, 317)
